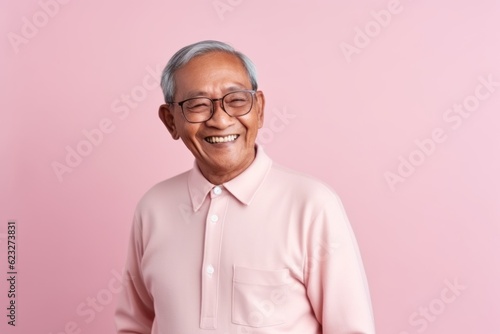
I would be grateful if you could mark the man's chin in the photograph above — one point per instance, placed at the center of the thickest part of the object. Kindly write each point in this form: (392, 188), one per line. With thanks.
(228, 164)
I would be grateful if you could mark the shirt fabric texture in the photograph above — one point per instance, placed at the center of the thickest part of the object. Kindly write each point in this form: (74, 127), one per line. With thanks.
(270, 251)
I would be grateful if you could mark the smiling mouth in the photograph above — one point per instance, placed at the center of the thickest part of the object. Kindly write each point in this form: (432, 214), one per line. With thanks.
(217, 140)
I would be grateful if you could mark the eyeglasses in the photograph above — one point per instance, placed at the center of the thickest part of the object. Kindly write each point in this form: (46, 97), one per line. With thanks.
(201, 109)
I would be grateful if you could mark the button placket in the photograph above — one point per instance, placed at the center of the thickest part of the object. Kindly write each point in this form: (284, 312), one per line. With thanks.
(211, 258)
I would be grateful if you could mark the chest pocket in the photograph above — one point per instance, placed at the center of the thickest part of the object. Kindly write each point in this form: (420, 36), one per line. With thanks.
(260, 297)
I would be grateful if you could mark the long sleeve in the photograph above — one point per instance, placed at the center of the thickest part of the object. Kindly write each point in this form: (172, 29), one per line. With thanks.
(134, 311)
(334, 274)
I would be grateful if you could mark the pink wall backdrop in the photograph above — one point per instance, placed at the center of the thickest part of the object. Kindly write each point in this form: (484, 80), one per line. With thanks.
(394, 103)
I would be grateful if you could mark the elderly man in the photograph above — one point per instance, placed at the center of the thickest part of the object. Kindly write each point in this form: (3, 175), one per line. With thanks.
(237, 244)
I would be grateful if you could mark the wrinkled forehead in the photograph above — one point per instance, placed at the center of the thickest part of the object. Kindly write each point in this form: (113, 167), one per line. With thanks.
(215, 68)
(211, 60)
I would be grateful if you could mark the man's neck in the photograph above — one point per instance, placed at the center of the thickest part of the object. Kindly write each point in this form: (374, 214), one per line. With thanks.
(220, 176)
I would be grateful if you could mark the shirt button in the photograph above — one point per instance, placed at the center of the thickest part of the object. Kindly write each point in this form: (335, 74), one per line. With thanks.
(210, 269)
(217, 190)
(214, 218)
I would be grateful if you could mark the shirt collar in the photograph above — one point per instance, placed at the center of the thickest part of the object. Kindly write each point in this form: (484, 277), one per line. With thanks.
(243, 187)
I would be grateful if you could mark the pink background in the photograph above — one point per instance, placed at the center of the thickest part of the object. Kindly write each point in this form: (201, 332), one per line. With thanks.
(350, 119)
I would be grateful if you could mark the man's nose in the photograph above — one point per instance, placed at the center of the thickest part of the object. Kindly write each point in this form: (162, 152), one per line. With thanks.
(219, 118)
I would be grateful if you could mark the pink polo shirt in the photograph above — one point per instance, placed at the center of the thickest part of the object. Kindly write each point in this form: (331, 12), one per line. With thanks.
(270, 251)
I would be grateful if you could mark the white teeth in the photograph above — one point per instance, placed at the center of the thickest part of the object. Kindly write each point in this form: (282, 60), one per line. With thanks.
(225, 139)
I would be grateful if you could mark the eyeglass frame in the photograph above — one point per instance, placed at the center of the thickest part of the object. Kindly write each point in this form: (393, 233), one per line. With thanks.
(221, 99)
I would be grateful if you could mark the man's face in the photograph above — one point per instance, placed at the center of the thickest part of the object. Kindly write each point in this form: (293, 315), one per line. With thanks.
(213, 75)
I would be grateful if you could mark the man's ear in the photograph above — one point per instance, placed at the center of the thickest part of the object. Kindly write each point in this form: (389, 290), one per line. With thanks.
(167, 117)
(260, 104)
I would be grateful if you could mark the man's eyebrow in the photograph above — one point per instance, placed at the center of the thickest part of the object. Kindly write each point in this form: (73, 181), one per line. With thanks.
(201, 93)
(196, 93)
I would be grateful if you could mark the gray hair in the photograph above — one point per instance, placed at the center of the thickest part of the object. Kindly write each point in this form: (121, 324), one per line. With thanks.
(184, 55)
